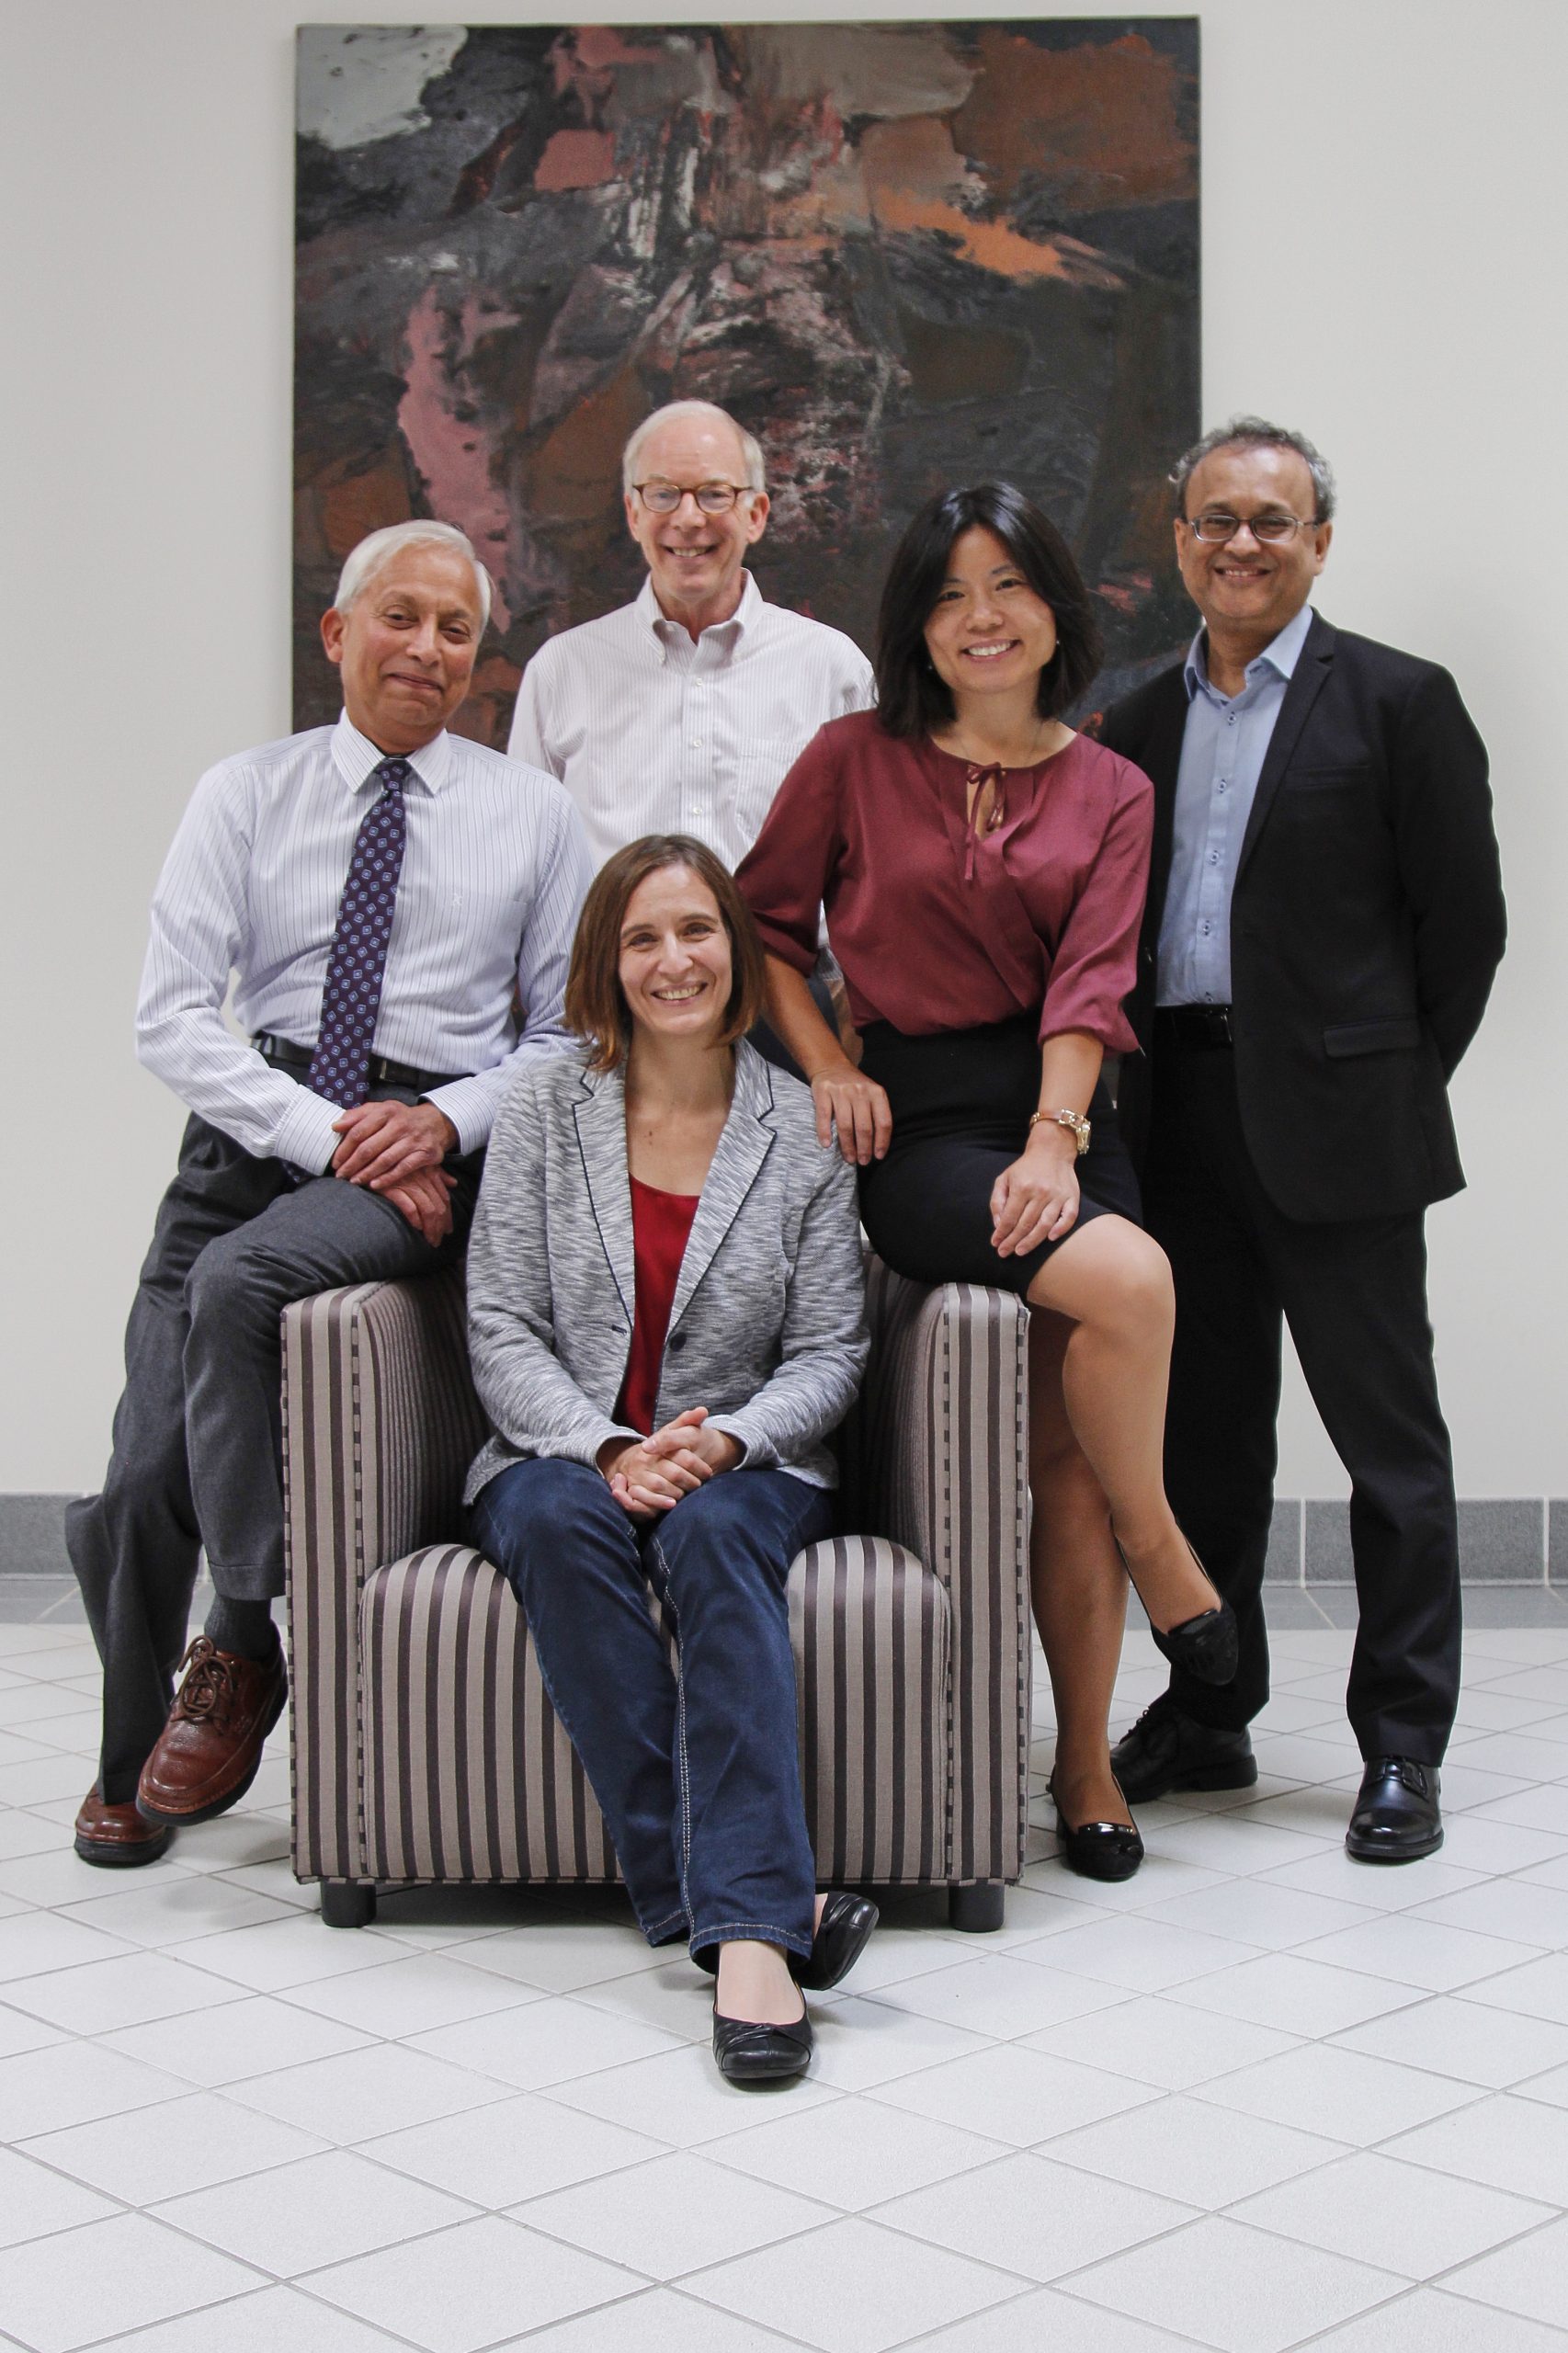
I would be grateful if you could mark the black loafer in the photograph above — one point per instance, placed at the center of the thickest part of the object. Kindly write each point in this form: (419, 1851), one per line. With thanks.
(841, 1937)
(1167, 1750)
(750, 2053)
(1397, 1818)
(1098, 1849)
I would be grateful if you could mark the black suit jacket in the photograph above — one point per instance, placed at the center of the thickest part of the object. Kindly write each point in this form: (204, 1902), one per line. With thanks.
(1366, 925)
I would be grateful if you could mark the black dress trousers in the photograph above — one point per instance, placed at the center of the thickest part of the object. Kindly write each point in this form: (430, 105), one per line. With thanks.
(1353, 1295)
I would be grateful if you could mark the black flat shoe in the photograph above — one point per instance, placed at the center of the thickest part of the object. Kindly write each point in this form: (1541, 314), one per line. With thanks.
(842, 1935)
(750, 2053)
(1168, 1750)
(1098, 1849)
(1206, 1647)
(1397, 1818)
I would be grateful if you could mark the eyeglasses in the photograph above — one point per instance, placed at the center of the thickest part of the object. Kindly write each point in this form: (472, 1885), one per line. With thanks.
(1215, 530)
(713, 497)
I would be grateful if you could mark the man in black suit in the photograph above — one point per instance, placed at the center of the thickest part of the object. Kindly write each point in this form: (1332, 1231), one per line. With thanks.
(1325, 916)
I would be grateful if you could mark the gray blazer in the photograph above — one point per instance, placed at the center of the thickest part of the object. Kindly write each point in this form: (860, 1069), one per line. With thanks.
(767, 1328)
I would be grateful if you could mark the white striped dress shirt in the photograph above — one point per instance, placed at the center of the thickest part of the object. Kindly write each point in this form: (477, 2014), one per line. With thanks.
(651, 734)
(494, 868)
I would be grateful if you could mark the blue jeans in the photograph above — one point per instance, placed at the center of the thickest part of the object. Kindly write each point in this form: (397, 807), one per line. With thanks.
(697, 1773)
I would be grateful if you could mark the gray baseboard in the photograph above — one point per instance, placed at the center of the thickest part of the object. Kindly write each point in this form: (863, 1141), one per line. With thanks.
(1511, 1540)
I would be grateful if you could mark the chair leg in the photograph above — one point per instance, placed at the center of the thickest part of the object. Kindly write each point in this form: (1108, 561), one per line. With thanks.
(348, 1902)
(978, 1910)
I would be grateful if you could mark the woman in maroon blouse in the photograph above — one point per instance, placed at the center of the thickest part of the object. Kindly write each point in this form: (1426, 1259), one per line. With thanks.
(983, 868)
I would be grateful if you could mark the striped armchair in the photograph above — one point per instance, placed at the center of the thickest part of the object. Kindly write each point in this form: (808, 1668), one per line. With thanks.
(423, 1745)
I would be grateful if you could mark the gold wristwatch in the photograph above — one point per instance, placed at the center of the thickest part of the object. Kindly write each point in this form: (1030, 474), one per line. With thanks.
(1074, 1120)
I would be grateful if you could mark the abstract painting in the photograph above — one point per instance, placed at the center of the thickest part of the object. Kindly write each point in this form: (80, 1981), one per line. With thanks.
(905, 255)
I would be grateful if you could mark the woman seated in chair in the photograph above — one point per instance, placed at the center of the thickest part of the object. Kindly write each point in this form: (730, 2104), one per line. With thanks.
(983, 868)
(666, 1318)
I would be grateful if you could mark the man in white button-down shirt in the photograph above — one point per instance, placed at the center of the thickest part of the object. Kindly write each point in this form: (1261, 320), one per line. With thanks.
(283, 1191)
(681, 711)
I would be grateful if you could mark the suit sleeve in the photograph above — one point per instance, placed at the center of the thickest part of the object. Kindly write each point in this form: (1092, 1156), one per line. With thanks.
(1449, 864)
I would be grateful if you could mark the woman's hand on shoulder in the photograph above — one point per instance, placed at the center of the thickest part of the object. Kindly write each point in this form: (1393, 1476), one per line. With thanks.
(858, 1108)
(1036, 1200)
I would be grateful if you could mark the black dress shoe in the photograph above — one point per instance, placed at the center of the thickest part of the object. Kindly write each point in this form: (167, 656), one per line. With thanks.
(1167, 1750)
(749, 2052)
(839, 1941)
(1098, 1849)
(842, 1934)
(1397, 1818)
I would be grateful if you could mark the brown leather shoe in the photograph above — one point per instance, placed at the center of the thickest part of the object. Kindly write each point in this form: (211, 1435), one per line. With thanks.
(208, 1750)
(115, 1835)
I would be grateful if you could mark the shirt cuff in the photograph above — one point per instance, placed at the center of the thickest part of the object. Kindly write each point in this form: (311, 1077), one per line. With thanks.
(305, 1135)
(469, 1105)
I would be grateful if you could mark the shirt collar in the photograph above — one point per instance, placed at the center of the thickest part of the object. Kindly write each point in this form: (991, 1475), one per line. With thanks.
(1281, 655)
(356, 757)
(652, 614)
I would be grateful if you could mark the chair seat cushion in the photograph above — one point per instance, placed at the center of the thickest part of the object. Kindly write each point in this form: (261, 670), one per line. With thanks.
(468, 1775)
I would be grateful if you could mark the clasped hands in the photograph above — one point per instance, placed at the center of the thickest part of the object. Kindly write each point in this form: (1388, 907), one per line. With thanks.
(397, 1149)
(649, 1476)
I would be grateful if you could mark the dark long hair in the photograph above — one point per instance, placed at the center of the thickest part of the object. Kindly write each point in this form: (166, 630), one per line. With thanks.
(910, 698)
(596, 1002)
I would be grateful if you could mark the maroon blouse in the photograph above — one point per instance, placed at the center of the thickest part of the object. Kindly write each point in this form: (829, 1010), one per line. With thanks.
(660, 1225)
(936, 927)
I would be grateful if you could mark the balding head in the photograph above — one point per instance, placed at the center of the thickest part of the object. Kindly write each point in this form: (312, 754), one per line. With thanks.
(679, 458)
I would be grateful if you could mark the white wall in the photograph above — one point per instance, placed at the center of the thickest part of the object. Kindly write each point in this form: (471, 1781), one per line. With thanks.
(1385, 252)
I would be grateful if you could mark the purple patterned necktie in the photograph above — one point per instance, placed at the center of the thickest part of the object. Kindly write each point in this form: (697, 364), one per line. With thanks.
(351, 995)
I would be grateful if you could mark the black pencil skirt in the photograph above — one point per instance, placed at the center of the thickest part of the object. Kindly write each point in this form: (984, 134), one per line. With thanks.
(961, 1102)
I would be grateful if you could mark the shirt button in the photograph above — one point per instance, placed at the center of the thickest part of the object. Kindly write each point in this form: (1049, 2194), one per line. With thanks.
(696, 743)
(1231, 721)
(1208, 997)
(1204, 929)
(1213, 857)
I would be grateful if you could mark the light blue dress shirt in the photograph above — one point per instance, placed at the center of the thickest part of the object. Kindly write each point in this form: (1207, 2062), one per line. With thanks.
(1222, 751)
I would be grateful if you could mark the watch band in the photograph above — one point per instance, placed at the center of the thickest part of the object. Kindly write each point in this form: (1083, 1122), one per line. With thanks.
(1075, 1121)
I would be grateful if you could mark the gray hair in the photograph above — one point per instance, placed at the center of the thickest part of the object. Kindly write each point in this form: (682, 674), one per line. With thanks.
(751, 449)
(1256, 432)
(376, 552)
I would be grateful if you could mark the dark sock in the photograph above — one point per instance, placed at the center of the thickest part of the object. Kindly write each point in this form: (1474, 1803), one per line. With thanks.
(243, 1628)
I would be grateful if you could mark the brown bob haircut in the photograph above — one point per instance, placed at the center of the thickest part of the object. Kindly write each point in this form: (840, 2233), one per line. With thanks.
(595, 1003)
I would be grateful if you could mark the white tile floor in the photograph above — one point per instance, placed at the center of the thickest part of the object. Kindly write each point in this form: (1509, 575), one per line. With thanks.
(1257, 2097)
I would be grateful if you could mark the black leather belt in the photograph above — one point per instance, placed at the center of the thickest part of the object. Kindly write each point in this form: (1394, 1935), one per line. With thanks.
(285, 1055)
(1202, 1026)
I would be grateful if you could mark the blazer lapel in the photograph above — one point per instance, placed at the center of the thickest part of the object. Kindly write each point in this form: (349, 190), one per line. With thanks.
(745, 1142)
(600, 1116)
(1306, 685)
(1160, 760)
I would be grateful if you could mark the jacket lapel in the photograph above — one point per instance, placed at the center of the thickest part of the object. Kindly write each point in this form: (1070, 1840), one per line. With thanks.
(600, 1116)
(1306, 685)
(745, 1142)
(1160, 758)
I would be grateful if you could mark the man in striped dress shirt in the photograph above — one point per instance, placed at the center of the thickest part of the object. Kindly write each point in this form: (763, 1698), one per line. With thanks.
(680, 712)
(383, 891)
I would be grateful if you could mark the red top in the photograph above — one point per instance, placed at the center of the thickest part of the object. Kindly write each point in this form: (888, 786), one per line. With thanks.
(936, 927)
(660, 1224)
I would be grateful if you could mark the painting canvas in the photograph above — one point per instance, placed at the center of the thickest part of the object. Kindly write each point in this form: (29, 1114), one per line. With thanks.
(905, 255)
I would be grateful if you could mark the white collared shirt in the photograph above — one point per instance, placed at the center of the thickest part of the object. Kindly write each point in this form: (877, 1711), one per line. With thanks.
(651, 734)
(494, 868)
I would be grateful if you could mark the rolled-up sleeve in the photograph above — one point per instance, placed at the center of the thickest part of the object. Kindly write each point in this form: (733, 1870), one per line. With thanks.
(1096, 962)
(785, 875)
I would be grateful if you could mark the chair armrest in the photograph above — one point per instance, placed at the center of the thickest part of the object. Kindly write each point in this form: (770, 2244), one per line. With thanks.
(379, 1425)
(936, 1456)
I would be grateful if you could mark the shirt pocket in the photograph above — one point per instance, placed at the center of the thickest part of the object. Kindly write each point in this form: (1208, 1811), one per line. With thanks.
(761, 764)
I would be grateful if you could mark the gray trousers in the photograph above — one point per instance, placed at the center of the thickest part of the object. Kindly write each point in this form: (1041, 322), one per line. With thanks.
(197, 1453)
